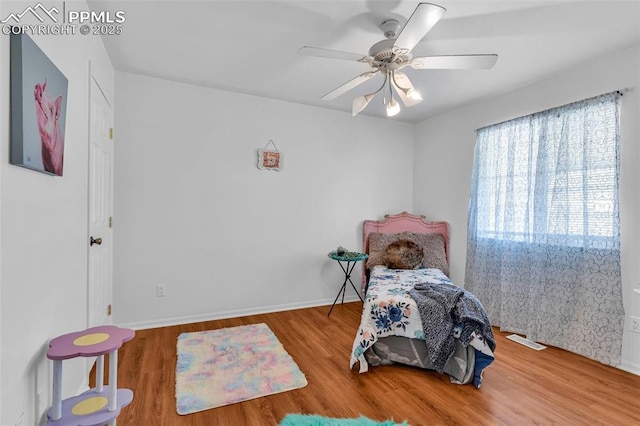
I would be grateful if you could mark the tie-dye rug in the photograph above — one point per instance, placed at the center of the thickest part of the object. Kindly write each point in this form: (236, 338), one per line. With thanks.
(229, 365)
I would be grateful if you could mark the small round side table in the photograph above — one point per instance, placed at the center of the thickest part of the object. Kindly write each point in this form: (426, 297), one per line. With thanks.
(347, 262)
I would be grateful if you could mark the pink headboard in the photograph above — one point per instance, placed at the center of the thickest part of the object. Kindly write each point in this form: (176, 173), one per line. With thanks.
(403, 222)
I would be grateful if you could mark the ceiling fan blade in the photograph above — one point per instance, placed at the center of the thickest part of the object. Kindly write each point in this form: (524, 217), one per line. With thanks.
(401, 80)
(333, 54)
(349, 85)
(459, 62)
(420, 22)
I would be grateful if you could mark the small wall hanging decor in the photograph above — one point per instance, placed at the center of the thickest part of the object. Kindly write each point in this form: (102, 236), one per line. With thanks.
(270, 159)
(38, 108)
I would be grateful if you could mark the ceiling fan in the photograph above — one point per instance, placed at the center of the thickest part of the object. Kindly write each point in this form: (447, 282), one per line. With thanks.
(391, 55)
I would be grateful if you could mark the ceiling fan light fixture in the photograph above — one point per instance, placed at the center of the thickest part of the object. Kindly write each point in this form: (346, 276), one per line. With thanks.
(409, 95)
(392, 108)
(409, 92)
(414, 94)
(361, 103)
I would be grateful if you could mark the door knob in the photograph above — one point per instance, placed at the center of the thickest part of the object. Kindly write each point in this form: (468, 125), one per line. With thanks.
(97, 241)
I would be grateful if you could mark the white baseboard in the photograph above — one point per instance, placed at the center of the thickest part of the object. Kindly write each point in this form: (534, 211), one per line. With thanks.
(630, 367)
(165, 322)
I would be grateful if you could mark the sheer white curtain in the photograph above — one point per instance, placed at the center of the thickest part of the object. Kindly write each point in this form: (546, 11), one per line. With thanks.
(543, 250)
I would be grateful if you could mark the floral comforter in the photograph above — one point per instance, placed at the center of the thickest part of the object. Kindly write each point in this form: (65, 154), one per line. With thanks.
(389, 310)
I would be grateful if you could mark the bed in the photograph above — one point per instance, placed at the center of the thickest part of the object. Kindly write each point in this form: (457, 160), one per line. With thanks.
(413, 314)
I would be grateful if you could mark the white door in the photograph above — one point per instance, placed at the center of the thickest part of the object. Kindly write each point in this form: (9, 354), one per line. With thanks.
(100, 279)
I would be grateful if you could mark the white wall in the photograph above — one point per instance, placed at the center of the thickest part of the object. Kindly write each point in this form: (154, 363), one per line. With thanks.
(444, 154)
(193, 212)
(43, 225)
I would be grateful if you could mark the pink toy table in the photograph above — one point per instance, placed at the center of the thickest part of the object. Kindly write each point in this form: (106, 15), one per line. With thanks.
(99, 405)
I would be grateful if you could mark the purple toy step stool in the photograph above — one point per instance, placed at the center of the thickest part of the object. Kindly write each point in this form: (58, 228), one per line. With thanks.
(99, 405)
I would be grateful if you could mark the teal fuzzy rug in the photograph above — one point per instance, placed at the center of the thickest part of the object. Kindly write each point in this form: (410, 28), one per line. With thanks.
(312, 420)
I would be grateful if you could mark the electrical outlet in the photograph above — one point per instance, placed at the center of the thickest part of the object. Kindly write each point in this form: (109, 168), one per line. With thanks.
(635, 324)
(161, 290)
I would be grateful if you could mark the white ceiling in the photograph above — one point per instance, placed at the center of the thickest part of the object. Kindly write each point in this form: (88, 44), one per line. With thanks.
(251, 46)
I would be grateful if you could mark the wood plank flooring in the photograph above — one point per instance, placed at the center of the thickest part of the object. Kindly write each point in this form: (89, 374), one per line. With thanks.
(522, 386)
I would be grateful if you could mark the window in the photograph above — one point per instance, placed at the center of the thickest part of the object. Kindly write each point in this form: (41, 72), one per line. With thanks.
(543, 248)
(551, 176)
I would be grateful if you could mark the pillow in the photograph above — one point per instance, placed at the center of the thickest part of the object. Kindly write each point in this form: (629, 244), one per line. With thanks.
(432, 245)
(403, 254)
(378, 242)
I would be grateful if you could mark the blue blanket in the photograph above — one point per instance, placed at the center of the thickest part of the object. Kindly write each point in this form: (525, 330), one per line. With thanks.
(441, 307)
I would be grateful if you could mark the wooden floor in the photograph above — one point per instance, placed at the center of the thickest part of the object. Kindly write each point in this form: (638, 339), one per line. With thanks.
(522, 386)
